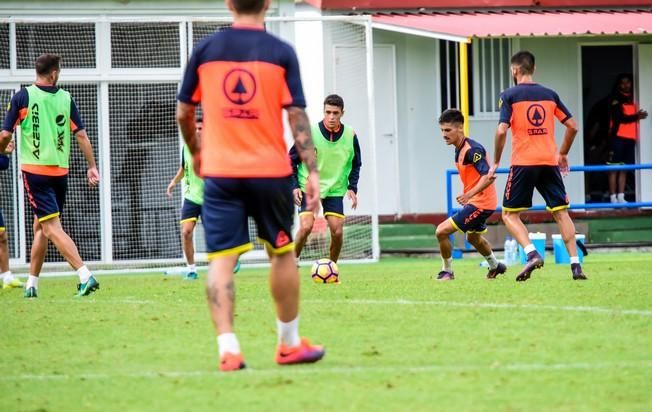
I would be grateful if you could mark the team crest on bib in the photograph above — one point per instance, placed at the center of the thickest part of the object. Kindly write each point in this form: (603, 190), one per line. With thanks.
(239, 88)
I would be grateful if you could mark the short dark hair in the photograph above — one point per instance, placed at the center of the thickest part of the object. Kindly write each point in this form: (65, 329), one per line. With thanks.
(248, 6)
(524, 60)
(334, 100)
(47, 63)
(623, 76)
(451, 116)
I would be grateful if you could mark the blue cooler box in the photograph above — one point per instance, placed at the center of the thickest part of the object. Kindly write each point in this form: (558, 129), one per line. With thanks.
(539, 242)
(559, 249)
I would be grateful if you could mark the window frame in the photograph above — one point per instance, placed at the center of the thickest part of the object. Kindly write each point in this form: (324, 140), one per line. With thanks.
(480, 81)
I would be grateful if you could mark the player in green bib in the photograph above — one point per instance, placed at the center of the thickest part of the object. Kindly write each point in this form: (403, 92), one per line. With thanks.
(48, 117)
(8, 280)
(339, 162)
(193, 199)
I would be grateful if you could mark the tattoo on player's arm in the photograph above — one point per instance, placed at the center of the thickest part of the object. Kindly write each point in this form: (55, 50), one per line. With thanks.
(303, 139)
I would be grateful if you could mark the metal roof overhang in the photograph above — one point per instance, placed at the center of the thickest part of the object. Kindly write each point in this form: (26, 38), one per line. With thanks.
(463, 26)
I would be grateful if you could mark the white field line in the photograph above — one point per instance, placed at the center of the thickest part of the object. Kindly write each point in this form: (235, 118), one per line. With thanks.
(344, 370)
(591, 309)
(111, 301)
(527, 306)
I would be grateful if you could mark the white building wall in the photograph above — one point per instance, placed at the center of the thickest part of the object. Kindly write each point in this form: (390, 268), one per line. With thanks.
(424, 157)
(427, 155)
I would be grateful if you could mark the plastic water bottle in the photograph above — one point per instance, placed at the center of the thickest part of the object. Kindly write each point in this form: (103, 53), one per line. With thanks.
(513, 251)
(507, 257)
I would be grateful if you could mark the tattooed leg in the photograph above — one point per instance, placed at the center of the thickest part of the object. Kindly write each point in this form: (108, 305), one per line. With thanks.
(220, 292)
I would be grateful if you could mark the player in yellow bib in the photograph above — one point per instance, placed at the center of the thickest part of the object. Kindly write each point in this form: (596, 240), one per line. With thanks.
(339, 162)
(193, 199)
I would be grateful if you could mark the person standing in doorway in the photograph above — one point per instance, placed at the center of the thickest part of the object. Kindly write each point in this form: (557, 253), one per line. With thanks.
(624, 118)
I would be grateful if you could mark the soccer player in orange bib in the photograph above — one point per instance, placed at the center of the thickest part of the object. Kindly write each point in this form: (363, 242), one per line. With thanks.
(244, 78)
(478, 200)
(529, 109)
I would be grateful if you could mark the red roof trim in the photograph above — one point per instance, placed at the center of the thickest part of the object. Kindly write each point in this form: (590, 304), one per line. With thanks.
(467, 4)
(523, 23)
(314, 3)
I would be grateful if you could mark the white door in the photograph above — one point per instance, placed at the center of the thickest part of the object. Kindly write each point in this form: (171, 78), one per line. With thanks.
(386, 140)
(644, 79)
(349, 81)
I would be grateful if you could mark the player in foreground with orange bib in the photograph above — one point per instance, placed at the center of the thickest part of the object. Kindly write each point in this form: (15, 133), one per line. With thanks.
(244, 78)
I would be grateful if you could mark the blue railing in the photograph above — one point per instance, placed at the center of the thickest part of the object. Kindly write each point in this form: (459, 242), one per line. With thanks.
(457, 253)
(452, 210)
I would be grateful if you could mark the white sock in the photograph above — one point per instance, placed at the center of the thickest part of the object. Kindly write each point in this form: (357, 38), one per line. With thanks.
(192, 268)
(32, 282)
(529, 248)
(613, 198)
(84, 274)
(7, 276)
(491, 259)
(621, 198)
(288, 333)
(447, 264)
(574, 259)
(227, 342)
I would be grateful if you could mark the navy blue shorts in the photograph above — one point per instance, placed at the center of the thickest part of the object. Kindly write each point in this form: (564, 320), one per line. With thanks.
(522, 181)
(471, 219)
(228, 202)
(46, 194)
(332, 205)
(622, 151)
(190, 211)
(2, 222)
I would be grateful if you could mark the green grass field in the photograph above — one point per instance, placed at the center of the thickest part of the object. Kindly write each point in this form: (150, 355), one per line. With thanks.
(395, 339)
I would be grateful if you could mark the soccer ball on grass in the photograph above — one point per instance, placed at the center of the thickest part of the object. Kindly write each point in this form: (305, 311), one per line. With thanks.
(325, 271)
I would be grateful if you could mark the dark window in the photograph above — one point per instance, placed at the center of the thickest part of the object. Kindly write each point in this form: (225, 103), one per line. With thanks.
(145, 155)
(4, 46)
(450, 75)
